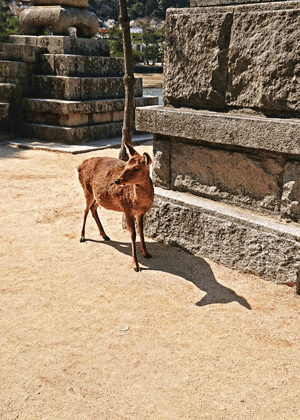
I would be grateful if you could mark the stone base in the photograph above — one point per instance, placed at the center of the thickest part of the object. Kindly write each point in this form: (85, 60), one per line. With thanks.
(228, 235)
(72, 135)
(65, 44)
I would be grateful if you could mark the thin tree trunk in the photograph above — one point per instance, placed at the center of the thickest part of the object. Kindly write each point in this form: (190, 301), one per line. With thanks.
(129, 81)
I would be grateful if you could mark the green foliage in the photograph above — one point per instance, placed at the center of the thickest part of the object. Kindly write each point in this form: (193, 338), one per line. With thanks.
(9, 25)
(153, 8)
(137, 9)
(147, 45)
(116, 41)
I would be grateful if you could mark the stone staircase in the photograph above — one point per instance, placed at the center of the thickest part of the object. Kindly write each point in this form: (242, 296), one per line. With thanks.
(63, 89)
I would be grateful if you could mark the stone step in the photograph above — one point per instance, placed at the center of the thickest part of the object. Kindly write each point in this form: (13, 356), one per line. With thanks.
(26, 53)
(9, 91)
(85, 88)
(78, 65)
(14, 70)
(72, 135)
(65, 44)
(92, 112)
(93, 107)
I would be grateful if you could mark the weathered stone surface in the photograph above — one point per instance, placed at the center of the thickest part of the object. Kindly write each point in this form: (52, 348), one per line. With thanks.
(84, 88)
(26, 53)
(70, 3)
(34, 19)
(273, 134)
(229, 236)
(242, 5)
(56, 87)
(195, 63)
(78, 65)
(161, 166)
(264, 56)
(243, 179)
(290, 201)
(56, 106)
(72, 135)
(4, 110)
(9, 91)
(14, 69)
(65, 44)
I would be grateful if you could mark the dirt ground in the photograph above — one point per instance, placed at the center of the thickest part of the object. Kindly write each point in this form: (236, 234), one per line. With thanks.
(84, 337)
(151, 80)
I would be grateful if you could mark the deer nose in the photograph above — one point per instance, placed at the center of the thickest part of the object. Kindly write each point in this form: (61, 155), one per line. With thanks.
(117, 181)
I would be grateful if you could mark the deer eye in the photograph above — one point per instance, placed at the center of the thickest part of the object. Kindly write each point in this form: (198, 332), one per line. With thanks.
(135, 169)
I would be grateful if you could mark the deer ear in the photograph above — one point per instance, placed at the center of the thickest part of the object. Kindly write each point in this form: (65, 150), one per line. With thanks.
(147, 159)
(130, 150)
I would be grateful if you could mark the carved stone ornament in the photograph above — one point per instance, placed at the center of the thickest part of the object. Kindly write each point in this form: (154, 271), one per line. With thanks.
(83, 4)
(59, 19)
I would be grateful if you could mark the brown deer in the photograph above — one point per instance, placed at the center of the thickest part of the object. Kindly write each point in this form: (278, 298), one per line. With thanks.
(119, 186)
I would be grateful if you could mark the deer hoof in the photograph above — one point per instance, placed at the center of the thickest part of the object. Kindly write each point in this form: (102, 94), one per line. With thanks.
(137, 268)
(147, 255)
(107, 238)
(82, 239)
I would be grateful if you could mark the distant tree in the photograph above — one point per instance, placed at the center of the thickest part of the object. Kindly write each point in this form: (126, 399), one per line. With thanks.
(151, 39)
(105, 9)
(116, 45)
(9, 24)
(116, 41)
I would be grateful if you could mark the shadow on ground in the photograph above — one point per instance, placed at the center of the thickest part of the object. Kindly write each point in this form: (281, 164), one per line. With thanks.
(7, 151)
(180, 263)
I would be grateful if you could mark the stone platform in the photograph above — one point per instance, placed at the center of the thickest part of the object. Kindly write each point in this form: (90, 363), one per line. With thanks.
(226, 142)
(229, 235)
(65, 89)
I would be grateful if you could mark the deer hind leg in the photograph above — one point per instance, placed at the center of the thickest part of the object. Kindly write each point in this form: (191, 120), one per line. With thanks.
(131, 226)
(140, 223)
(89, 202)
(93, 209)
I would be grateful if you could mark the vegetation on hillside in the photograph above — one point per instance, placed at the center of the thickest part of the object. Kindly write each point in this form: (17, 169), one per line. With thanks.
(9, 24)
(136, 8)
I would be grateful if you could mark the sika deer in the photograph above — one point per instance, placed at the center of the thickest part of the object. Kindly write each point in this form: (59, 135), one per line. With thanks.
(119, 186)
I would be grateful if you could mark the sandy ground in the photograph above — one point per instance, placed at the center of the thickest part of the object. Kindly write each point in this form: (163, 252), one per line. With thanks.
(85, 337)
(151, 80)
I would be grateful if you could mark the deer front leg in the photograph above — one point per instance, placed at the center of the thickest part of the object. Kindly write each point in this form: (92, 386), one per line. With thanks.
(140, 223)
(131, 227)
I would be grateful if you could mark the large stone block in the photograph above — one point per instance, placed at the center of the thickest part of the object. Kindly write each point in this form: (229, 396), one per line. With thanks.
(81, 88)
(14, 69)
(72, 135)
(65, 44)
(227, 235)
(243, 179)
(264, 56)
(9, 92)
(79, 66)
(68, 88)
(232, 129)
(55, 106)
(195, 64)
(26, 53)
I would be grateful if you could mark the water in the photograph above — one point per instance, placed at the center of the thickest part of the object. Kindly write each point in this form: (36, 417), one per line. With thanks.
(154, 92)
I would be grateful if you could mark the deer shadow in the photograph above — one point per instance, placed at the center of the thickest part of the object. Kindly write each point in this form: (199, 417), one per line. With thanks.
(179, 262)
